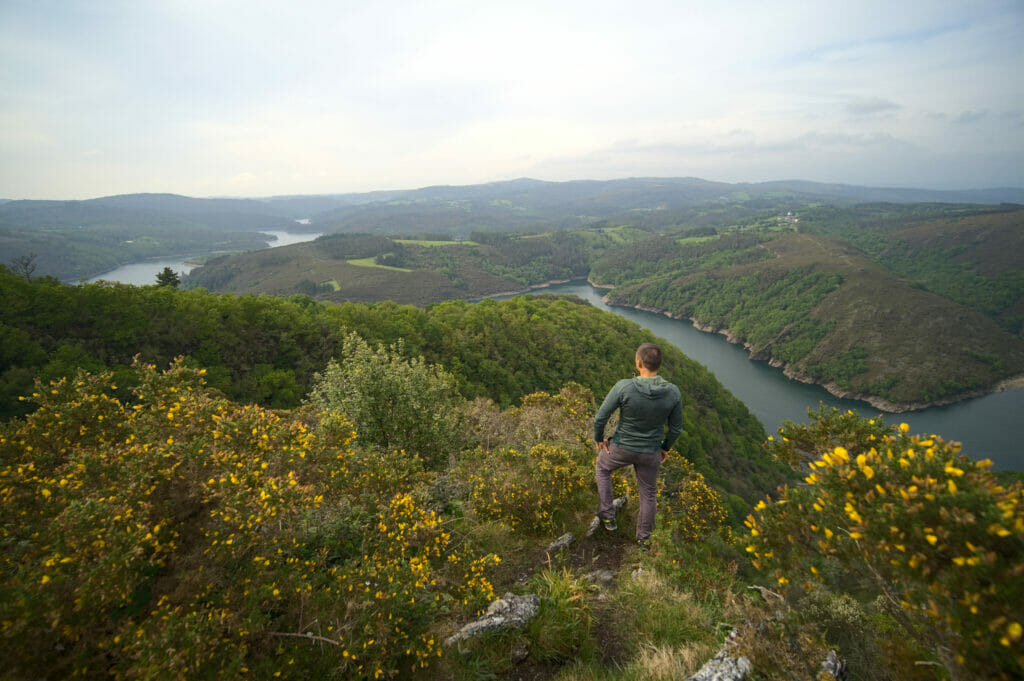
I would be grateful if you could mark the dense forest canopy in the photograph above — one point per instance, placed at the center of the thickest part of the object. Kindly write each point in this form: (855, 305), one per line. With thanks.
(267, 349)
(899, 303)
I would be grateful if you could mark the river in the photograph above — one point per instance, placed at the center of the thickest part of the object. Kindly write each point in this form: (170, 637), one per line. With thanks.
(144, 273)
(990, 427)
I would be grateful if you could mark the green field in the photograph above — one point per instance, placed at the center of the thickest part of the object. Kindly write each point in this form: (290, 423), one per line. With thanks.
(417, 242)
(372, 262)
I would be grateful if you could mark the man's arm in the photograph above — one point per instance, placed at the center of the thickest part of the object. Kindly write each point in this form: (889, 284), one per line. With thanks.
(675, 426)
(604, 412)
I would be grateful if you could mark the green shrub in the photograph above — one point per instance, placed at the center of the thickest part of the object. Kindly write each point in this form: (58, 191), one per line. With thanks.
(395, 402)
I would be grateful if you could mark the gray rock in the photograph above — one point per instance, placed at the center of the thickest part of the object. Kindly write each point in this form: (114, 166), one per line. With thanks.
(565, 541)
(835, 665)
(600, 577)
(509, 612)
(723, 667)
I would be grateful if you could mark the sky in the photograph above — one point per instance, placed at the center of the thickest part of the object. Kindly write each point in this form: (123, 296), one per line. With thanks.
(254, 98)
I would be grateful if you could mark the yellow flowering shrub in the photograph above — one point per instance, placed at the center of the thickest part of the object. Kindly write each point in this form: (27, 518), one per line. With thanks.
(535, 488)
(533, 491)
(936, 534)
(689, 509)
(180, 535)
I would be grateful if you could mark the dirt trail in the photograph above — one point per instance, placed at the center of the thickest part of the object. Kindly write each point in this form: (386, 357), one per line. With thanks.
(602, 551)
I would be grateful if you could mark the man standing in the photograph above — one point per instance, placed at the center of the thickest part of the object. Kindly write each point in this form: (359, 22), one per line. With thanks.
(646, 403)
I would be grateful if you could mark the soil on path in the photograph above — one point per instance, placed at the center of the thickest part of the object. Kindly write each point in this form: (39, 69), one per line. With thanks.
(602, 551)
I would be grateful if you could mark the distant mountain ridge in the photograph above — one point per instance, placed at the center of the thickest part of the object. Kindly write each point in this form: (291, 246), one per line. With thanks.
(675, 189)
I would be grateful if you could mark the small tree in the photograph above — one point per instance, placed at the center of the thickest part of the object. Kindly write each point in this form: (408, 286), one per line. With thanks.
(168, 278)
(24, 265)
(395, 402)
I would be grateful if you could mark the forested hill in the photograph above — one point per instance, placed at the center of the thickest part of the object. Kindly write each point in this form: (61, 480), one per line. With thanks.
(75, 239)
(266, 350)
(902, 305)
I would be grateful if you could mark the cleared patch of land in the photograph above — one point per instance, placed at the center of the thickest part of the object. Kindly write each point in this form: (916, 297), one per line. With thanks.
(372, 262)
(423, 242)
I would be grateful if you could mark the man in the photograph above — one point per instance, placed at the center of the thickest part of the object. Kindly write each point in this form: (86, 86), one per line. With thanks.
(646, 403)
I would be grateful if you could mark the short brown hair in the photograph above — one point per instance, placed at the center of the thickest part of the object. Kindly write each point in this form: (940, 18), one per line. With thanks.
(650, 356)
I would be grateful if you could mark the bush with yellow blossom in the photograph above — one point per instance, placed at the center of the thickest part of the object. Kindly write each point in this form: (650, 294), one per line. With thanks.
(179, 535)
(935, 533)
(688, 508)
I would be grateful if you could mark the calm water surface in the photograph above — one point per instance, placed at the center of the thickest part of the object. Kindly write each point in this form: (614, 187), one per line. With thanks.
(144, 273)
(990, 427)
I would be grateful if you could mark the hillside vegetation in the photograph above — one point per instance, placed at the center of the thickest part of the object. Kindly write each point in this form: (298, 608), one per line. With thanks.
(163, 531)
(81, 239)
(267, 350)
(905, 306)
(371, 268)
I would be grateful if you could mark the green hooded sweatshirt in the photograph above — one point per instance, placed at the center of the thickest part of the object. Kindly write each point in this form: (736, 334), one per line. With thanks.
(645, 405)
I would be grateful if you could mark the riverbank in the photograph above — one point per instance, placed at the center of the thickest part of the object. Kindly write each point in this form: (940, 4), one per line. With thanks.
(794, 374)
(531, 287)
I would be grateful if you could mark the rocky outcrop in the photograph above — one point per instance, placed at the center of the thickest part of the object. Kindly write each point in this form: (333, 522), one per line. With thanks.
(723, 666)
(508, 612)
(563, 542)
(726, 666)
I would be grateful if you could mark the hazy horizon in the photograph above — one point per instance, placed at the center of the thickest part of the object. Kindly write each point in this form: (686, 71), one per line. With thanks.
(228, 99)
(427, 186)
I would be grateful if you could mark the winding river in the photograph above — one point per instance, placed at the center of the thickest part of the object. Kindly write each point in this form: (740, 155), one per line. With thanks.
(144, 273)
(990, 427)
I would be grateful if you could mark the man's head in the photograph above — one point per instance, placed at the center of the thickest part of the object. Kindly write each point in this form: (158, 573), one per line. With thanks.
(649, 355)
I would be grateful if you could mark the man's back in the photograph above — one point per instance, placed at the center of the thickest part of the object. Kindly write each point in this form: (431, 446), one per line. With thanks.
(645, 404)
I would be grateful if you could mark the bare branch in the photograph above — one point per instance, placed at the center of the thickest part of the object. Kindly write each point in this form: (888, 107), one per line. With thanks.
(311, 637)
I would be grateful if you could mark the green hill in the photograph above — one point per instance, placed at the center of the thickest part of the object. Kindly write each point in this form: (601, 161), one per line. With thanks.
(904, 306)
(80, 239)
(370, 268)
(76, 239)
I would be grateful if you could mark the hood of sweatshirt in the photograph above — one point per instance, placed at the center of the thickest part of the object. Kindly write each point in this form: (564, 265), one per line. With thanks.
(651, 387)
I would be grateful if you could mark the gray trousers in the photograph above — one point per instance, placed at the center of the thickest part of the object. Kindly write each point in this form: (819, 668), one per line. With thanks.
(645, 465)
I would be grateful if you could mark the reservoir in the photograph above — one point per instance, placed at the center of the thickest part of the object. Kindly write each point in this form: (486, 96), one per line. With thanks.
(144, 273)
(990, 427)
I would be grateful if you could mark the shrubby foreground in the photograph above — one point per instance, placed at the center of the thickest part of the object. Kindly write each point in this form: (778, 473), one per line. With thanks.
(171, 533)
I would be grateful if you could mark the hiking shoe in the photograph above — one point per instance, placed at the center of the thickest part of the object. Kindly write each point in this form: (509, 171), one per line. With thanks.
(643, 544)
(609, 524)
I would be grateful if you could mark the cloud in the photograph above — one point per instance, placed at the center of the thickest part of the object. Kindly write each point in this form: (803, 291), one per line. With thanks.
(868, 106)
(972, 116)
(331, 96)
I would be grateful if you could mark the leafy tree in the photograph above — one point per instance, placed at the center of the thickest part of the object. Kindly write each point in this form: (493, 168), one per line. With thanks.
(168, 277)
(395, 402)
